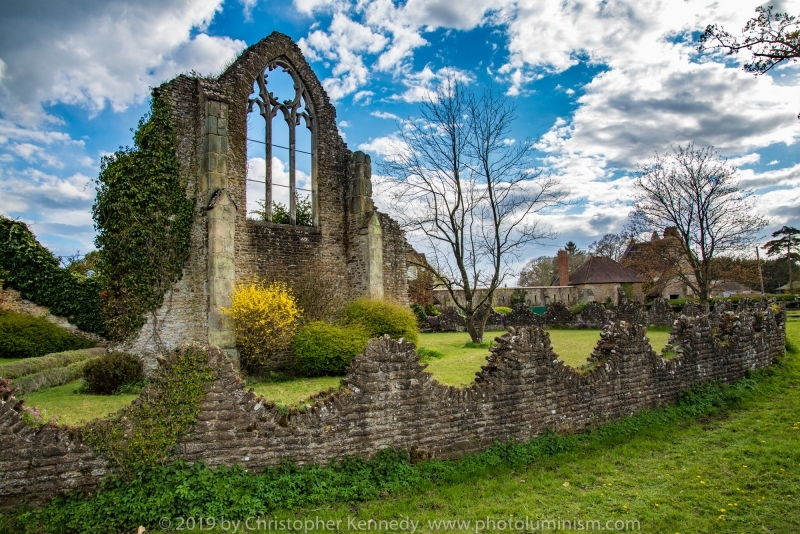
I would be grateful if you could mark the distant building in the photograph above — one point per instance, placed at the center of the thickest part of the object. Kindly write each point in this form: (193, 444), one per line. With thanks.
(600, 279)
(785, 288)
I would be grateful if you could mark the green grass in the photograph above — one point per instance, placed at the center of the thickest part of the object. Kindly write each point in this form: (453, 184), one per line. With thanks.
(460, 363)
(290, 392)
(7, 360)
(73, 408)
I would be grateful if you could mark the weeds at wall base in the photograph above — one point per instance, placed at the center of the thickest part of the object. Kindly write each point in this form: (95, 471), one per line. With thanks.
(183, 490)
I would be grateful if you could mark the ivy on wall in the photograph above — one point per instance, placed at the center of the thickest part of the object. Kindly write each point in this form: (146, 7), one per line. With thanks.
(145, 434)
(31, 269)
(143, 218)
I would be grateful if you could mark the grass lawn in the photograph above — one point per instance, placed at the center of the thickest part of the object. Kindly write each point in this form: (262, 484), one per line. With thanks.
(7, 360)
(293, 391)
(72, 408)
(459, 365)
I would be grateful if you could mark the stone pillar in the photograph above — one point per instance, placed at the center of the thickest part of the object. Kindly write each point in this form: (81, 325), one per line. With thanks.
(374, 259)
(368, 245)
(221, 223)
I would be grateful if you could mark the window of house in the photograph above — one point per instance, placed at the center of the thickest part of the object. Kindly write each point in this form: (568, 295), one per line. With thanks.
(281, 149)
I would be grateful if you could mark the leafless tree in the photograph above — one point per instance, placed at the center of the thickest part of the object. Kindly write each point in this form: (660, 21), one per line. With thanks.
(695, 194)
(463, 186)
(611, 245)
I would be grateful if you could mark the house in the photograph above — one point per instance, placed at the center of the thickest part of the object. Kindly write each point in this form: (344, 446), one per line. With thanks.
(600, 279)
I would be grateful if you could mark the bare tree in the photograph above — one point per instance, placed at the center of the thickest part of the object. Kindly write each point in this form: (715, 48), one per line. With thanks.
(611, 245)
(539, 271)
(695, 194)
(470, 192)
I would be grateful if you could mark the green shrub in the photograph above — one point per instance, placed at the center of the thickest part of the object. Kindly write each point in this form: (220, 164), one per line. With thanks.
(431, 310)
(110, 372)
(426, 354)
(379, 317)
(419, 312)
(24, 336)
(578, 308)
(325, 349)
(502, 310)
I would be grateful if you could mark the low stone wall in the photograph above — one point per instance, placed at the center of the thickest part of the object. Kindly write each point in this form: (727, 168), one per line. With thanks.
(388, 400)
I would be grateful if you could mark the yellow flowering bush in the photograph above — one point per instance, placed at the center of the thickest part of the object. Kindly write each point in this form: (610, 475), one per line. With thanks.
(265, 317)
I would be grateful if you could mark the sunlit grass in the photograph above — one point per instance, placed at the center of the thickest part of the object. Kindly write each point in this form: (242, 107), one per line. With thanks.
(292, 391)
(73, 408)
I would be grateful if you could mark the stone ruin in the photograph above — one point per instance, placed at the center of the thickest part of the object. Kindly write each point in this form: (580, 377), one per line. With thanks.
(346, 238)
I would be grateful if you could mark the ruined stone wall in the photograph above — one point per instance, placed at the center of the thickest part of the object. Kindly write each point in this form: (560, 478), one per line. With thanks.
(505, 296)
(388, 400)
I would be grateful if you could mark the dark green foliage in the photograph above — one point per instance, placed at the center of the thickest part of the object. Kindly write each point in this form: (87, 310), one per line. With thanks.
(304, 212)
(324, 349)
(431, 310)
(419, 312)
(426, 354)
(578, 308)
(379, 317)
(108, 373)
(180, 490)
(143, 218)
(145, 433)
(24, 336)
(31, 269)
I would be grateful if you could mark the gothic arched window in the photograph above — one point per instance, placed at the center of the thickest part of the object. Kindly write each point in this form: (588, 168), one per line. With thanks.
(288, 169)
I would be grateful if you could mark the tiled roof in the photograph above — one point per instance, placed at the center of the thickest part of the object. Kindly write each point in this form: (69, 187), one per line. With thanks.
(601, 270)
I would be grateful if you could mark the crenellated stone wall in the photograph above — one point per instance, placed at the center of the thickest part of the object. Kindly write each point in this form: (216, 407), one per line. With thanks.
(388, 400)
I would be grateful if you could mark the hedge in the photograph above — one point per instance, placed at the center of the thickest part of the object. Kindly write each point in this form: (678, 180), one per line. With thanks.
(29, 366)
(379, 317)
(25, 336)
(325, 349)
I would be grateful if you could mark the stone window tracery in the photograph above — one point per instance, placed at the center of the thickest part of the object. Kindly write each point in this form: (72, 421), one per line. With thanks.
(301, 201)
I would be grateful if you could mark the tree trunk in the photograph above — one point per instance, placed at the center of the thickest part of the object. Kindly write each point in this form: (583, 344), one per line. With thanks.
(475, 327)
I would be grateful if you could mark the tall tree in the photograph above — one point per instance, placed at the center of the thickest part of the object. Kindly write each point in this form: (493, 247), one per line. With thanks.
(695, 194)
(789, 242)
(771, 39)
(611, 245)
(460, 183)
(539, 271)
(575, 256)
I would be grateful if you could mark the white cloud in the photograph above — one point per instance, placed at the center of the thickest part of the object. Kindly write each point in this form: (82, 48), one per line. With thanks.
(344, 124)
(257, 170)
(773, 162)
(385, 115)
(747, 159)
(97, 53)
(423, 85)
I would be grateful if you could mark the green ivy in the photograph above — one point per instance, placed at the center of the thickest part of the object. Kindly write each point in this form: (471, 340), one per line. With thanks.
(143, 218)
(31, 269)
(145, 434)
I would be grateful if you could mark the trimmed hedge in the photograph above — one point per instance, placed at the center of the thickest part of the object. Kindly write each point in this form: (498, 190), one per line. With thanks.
(379, 317)
(503, 310)
(29, 366)
(110, 372)
(50, 377)
(31, 269)
(325, 349)
(25, 336)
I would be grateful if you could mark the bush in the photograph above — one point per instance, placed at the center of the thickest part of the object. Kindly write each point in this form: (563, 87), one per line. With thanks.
(422, 317)
(431, 311)
(578, 308)
(265, 319)
(427, 354)
(325, 349)
(110, 372)
(50, 377)
(24, 336)
(379, 317)
(502, 310)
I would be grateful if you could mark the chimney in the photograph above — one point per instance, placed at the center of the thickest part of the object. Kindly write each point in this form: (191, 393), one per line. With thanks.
(563, 268)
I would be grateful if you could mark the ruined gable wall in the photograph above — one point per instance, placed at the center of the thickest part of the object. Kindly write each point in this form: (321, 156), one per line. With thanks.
(389, 400)
(274, 251)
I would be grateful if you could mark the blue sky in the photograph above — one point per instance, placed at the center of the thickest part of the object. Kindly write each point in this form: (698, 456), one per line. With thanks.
(599, 85)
